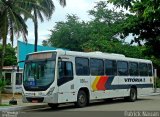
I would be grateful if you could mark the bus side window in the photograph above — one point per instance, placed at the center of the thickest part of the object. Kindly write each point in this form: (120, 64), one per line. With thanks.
(143, 69)
(133, 69)
(122, 67)
(82, 66)
(65, 69)
(110, 67)
(96, 67)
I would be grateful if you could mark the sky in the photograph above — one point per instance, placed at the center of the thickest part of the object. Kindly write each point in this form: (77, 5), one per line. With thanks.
(78, 7)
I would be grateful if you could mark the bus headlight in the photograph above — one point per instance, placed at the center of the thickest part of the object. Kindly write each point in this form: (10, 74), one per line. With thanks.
(51, 91)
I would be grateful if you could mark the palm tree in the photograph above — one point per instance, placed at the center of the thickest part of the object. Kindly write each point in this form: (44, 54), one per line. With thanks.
(40, 13)
(12, 23)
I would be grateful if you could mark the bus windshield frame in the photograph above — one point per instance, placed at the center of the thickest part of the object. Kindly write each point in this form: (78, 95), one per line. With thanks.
(39, 73)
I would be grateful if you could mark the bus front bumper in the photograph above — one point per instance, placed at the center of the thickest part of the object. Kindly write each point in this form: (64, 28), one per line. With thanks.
(40, 99)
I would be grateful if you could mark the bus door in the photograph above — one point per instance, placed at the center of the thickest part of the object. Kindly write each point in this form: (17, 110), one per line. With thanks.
(65, 81)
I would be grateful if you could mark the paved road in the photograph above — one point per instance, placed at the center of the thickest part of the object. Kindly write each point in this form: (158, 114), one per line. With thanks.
(151, 103)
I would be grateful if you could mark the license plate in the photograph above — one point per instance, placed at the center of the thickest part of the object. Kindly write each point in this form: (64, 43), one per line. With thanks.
(34, 101)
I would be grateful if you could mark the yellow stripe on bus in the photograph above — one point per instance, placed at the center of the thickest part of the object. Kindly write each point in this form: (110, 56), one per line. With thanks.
(95, 83)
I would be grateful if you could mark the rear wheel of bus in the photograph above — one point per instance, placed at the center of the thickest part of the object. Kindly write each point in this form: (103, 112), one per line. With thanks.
(133, 95)
(81, 99)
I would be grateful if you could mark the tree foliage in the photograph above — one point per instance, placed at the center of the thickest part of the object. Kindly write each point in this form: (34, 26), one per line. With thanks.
(99, 34)
(70, 34)
(104, 27)
(75, 35)
(143, 23)
(10, 55)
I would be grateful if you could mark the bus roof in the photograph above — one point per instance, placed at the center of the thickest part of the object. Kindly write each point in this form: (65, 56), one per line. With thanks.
(96, 54)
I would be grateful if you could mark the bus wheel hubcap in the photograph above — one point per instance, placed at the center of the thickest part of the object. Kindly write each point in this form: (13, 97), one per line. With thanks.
(133, 95)
(82, 99)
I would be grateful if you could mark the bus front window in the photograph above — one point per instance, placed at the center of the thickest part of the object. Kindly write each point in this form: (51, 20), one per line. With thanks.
(39, 75)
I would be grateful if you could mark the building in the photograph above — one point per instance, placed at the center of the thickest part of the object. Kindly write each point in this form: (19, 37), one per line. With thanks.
(13, 78)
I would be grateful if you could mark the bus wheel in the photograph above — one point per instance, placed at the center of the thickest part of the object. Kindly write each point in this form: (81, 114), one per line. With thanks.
(133, 95)
(81, 99)
(53, 106)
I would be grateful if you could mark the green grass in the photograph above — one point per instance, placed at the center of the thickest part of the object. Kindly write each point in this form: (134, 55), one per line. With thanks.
(1, 105)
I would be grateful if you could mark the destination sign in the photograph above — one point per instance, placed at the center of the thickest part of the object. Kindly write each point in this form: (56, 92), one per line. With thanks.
(41, 56)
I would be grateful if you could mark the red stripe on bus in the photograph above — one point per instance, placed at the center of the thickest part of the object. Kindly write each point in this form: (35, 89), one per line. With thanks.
(101, 83)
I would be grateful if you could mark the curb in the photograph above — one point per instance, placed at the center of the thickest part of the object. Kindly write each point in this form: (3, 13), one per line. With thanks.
(19, 108)
(153, 94)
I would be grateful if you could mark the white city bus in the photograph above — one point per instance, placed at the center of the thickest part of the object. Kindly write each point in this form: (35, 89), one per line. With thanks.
(61, 76)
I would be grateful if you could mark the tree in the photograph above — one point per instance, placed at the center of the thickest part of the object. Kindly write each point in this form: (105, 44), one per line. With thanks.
(99, 34)
(46, 10)
(143, 22)
(79, 35)
(45, 43)
(104, 27)
(70, 34)
(12, 22)
(10, 55)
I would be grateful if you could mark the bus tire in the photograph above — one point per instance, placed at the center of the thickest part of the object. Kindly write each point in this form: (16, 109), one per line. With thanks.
(133, 95)
(81, 99)
(53, 106)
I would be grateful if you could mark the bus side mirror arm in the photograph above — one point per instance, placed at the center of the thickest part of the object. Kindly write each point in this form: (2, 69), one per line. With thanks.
(18, 66)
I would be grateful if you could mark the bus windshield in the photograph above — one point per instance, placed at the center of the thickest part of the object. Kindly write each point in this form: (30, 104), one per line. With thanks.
(39, 75)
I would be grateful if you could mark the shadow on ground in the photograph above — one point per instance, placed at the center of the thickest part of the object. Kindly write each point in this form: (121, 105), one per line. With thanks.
(65, 107)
